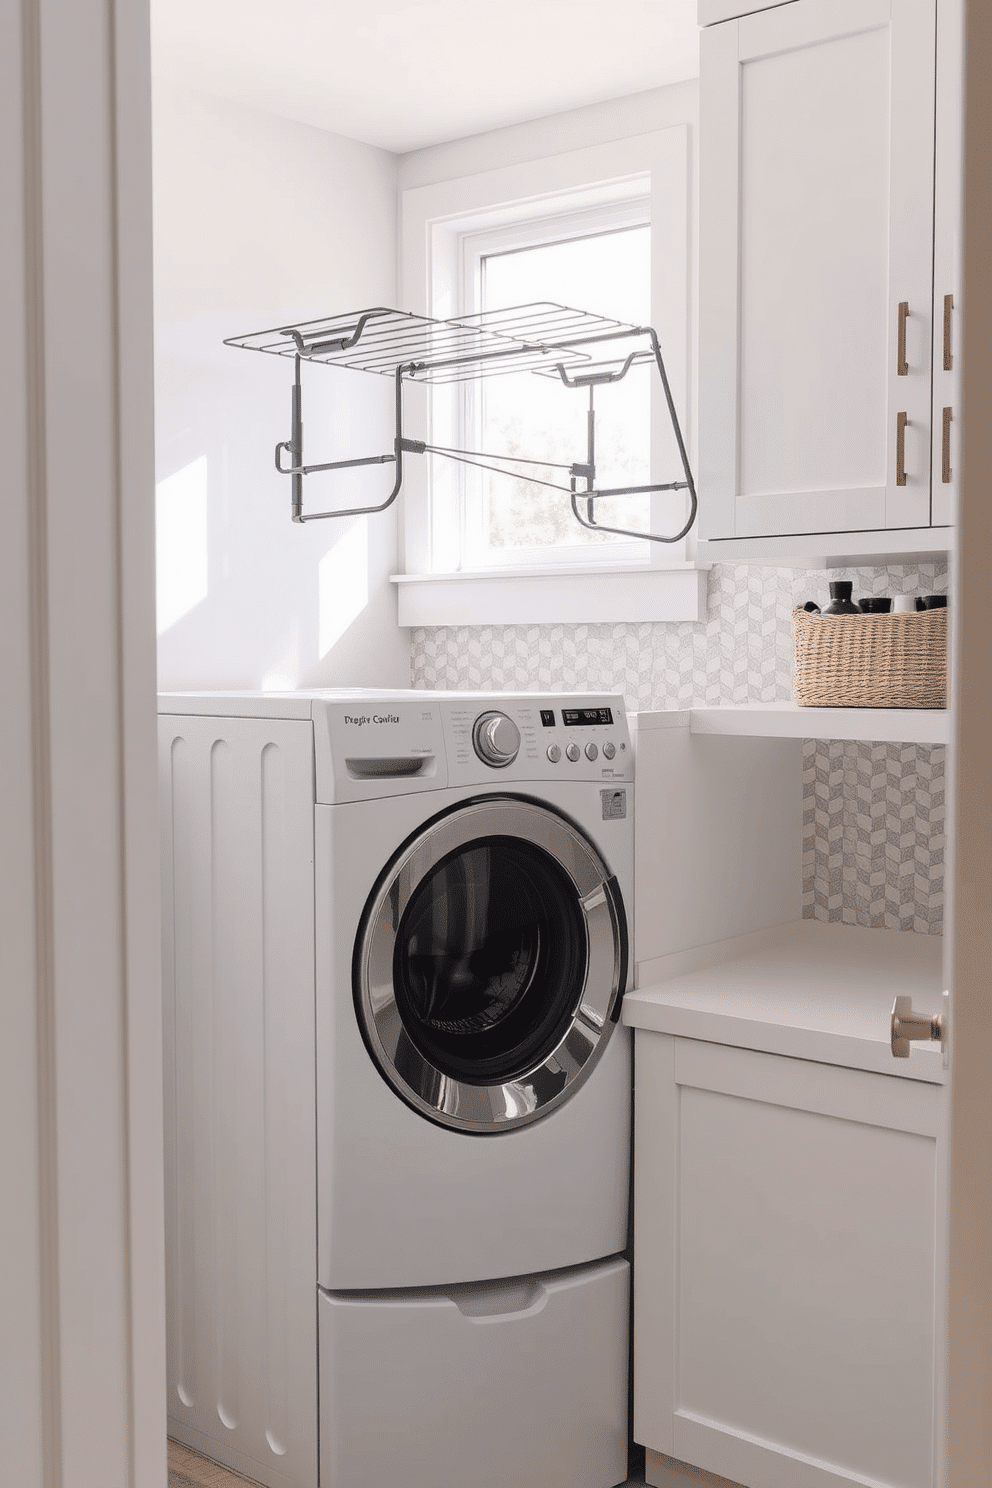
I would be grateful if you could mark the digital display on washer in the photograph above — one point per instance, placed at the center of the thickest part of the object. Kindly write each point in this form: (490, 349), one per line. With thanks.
(579, 717)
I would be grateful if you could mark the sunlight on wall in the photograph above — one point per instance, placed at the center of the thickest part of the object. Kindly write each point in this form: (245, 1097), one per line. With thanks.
(343, 585)
(181, 542)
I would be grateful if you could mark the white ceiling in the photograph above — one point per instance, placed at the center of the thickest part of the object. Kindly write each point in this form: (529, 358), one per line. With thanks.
(403, 74)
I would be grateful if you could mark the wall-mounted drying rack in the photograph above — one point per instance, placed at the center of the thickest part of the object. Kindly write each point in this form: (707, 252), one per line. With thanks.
(548, 339)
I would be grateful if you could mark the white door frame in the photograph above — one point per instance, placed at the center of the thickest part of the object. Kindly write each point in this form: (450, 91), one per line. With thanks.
(81, 1218)
(81, 1297)
(969, 1290)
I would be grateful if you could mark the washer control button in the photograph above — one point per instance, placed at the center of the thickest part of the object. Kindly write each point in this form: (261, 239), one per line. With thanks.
(554, 753)
(496, 739)
(573, 751)
(592, 751)
(609, 749)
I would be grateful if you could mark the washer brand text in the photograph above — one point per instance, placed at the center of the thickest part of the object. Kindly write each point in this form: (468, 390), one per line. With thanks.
(374, 718)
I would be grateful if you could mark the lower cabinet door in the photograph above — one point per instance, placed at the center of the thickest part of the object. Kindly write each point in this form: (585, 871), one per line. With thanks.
(785, 1246)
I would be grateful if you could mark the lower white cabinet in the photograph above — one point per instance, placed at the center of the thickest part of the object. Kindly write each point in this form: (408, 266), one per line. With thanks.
(785, 1250)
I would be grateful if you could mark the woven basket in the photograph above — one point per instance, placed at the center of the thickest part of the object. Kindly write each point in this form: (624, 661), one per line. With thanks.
(871, 661)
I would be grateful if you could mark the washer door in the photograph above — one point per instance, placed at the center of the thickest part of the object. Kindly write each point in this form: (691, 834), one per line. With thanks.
(490, 965)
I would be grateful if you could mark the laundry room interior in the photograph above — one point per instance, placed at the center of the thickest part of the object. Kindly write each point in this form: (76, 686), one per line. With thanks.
(758, 1116)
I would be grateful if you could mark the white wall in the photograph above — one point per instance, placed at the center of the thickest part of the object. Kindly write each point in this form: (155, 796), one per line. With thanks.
(577, 129)
(259, 221)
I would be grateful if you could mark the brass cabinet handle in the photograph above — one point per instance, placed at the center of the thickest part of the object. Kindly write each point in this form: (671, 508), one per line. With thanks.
(902, 420)
(948, 359)
(945, 448)
(902, 366)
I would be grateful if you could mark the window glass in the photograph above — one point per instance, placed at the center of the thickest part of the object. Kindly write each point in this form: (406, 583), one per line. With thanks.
(608, 273)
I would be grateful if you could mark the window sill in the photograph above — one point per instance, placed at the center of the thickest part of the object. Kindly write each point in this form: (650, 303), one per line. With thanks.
(554, 596)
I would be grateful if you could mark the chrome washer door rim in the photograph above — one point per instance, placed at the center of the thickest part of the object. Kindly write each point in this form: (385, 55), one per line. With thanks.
(489, 1108)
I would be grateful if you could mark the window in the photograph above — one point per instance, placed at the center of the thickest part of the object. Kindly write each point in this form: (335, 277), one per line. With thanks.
(593, 260)
(605, 229)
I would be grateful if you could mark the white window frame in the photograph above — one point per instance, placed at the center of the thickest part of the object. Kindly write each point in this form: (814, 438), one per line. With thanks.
(442, 226)
(473, 247)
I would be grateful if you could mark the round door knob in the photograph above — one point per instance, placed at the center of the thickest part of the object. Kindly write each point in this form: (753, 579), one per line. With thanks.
(496, 739)
(591, 751)
(609, 750)
(554, 753)
(573, 751)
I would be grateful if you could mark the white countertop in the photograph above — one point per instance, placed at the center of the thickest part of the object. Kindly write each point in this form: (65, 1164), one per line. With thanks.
(808, 990)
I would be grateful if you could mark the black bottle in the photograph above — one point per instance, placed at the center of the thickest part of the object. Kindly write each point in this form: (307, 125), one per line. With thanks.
(840, 599)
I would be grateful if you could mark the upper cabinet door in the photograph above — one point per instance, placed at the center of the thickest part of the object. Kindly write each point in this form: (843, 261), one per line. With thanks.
(816, 267)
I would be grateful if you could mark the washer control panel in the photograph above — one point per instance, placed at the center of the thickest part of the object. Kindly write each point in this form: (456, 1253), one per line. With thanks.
(523, 736)
(518, 735)
(396, 742)
(571, 741)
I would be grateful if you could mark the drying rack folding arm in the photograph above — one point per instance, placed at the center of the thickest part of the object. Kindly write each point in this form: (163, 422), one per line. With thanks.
(547, 339)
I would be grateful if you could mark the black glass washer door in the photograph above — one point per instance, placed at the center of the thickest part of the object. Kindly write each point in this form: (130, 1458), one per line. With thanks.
(489, 961)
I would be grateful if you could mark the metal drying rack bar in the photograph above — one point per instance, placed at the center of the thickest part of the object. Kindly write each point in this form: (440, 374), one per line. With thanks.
(545, 338)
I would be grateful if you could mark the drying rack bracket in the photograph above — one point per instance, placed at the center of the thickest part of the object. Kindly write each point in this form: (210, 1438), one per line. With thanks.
(544, 338)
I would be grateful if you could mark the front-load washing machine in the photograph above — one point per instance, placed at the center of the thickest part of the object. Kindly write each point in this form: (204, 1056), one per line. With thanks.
(399, 1095)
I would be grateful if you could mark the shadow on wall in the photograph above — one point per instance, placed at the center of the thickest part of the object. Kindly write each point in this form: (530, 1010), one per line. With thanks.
(246, 598)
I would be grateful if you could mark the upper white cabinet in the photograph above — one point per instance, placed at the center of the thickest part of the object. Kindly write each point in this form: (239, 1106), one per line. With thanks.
(817, 277)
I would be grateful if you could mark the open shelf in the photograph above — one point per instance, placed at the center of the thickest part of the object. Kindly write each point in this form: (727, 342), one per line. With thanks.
(786, 721)
(807, 989)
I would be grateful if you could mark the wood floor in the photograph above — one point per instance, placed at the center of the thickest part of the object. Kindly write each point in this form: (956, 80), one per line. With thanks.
(202, 1473)
(200, 1470)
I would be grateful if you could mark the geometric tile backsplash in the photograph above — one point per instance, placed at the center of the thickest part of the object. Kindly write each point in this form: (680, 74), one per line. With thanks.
(873, 834)
(741, 652)
(874, 814)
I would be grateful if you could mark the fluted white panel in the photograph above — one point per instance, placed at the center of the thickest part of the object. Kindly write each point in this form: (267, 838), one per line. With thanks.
(239, 1012)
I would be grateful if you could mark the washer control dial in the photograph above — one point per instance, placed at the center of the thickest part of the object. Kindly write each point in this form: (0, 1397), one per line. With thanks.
(496, 739)
(554, 753)
(609, 750)
(573, 751)
(592, 750)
